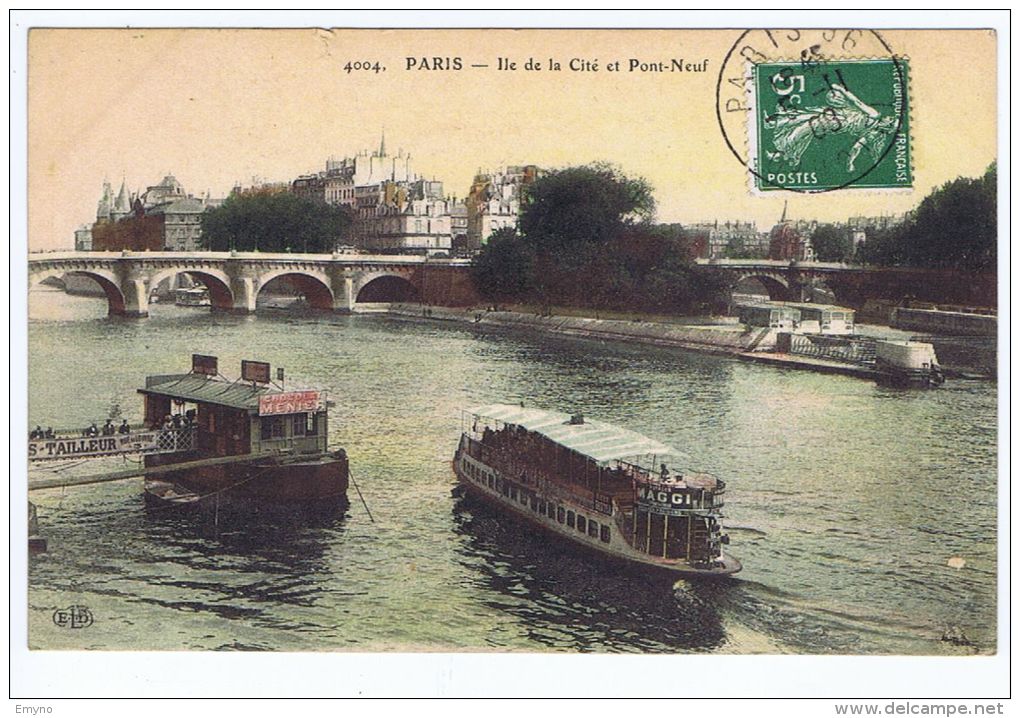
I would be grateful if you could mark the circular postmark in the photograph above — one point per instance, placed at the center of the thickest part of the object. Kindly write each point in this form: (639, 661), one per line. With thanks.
(815, 111)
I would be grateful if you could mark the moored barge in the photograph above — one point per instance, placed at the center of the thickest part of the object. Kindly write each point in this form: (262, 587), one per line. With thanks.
(243, 441)
(600, 487)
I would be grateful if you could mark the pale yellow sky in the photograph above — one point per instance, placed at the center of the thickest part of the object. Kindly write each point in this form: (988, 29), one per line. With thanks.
(215, 107)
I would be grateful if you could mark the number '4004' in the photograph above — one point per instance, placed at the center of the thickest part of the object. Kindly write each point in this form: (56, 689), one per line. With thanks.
(363, 65)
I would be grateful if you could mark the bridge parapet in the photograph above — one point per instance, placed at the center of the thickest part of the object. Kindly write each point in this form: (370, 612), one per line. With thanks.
(235, 279)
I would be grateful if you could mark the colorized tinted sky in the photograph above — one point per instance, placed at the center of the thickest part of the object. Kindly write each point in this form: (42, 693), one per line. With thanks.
(217, 107)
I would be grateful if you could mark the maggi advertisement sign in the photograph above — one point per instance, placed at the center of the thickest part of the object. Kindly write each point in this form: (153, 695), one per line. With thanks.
(291, 402)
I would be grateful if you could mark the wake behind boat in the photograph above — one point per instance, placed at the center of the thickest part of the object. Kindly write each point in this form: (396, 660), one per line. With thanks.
(603, 488)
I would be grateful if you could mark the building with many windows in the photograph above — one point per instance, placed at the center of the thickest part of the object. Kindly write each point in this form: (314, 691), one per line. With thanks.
(494, 201)
(459, 225)
(411, 217)
(394, 209)
(163, 217)
(730, 238)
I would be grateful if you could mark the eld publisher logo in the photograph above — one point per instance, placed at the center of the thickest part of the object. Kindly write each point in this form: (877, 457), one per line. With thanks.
(72, 617)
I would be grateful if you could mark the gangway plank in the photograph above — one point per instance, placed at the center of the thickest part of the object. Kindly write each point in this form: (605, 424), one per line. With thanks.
(142, 471)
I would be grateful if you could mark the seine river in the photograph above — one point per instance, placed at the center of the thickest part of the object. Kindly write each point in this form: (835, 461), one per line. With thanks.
(845, 501)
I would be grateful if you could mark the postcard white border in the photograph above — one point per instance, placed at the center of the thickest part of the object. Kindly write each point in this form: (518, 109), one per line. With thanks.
(47, 675)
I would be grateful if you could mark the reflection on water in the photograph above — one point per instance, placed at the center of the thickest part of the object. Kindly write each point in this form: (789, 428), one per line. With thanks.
(577, 602)
(849, 505)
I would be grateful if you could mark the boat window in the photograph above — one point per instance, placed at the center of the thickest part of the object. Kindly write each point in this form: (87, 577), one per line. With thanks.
(560, 514)
(604, 535)
(534, 503)
(513, 492)
(570, 519)
(299, 421)
(593, 528)
(541, 507)
(581, 523)
(272, 427)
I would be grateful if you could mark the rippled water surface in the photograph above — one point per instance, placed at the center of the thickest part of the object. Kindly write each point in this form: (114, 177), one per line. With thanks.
(844, 500)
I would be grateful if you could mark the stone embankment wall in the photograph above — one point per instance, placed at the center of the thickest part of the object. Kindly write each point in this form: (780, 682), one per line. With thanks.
(940, 322)
(728, 339)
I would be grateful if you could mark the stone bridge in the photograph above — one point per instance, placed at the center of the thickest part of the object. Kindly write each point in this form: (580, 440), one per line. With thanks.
(852, 284)
(337, 282)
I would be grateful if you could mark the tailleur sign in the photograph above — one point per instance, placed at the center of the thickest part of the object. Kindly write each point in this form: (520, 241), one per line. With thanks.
(291, 402)
(143, 442)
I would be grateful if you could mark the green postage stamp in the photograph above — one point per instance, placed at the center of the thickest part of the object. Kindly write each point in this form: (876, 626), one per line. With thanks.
(819, 126)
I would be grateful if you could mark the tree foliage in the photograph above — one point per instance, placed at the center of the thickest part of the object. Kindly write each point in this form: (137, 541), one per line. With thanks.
(274, 222)
(832, 244)
(504, 269)
(575, 209)
(586, 239)
(954, 226)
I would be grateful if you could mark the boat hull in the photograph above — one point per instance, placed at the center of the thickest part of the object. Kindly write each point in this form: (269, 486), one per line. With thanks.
(616, 552)
(262, 481)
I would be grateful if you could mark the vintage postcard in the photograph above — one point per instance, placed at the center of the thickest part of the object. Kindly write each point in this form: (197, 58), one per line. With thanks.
(512, 343)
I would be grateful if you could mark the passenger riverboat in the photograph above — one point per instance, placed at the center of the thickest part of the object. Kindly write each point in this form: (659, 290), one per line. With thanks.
(247, 440)
(602, 488)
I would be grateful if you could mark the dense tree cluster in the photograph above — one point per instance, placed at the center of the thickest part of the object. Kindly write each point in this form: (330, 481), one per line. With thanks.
(586, 239)
(832, 243)
(274, 222)
(953, 227)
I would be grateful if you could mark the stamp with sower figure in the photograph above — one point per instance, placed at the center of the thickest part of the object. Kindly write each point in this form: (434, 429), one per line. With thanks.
(819, 123)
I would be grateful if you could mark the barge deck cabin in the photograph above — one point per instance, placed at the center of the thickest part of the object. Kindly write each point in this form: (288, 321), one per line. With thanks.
(283, 432)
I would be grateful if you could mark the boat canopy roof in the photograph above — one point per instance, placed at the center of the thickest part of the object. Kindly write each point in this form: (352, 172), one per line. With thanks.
(206, 390)
(597, 440)
(812, 305)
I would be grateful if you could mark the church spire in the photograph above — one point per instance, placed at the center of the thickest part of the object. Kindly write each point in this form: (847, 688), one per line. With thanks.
(122, 205)
(783, 218)
(382, 144)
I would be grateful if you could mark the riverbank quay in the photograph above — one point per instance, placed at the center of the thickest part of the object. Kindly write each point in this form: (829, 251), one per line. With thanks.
(715, 335)
(722, 338)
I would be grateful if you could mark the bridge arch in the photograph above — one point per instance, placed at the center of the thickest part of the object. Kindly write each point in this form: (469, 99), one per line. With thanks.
(314, 286)
(387, 287)
(106, 280)
(217, 282)
(778, 288)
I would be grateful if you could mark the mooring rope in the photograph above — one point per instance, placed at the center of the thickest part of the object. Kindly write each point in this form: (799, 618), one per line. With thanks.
(356, 488)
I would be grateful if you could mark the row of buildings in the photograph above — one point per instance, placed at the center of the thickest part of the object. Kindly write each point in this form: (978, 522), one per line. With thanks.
(163, 216)
(787, 240)
(396, 210)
